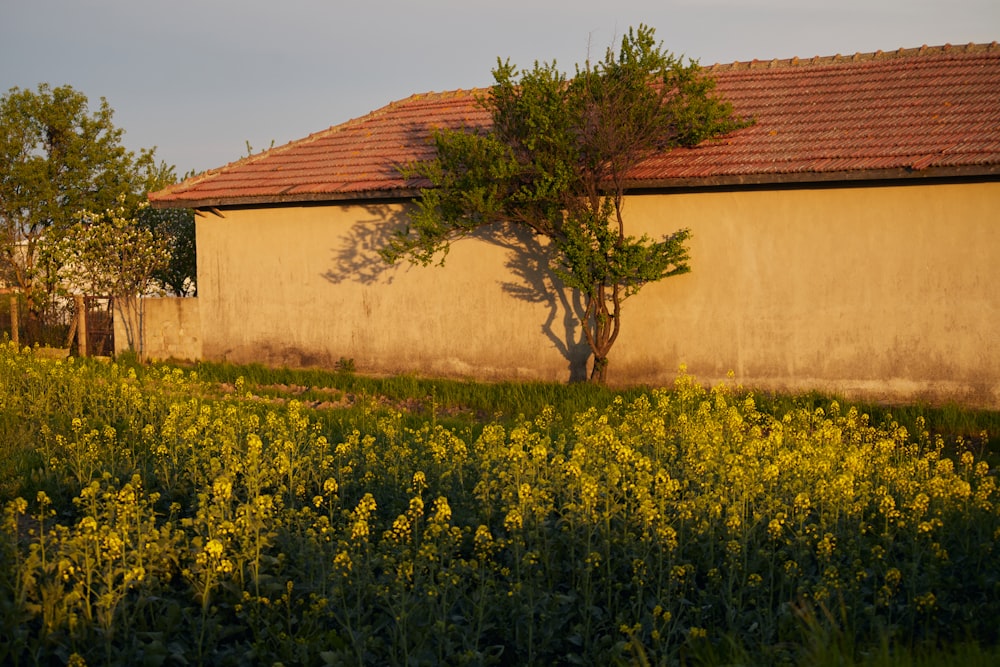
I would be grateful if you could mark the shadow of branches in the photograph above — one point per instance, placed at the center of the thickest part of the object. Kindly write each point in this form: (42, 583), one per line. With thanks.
(528, 261)
(357, 259)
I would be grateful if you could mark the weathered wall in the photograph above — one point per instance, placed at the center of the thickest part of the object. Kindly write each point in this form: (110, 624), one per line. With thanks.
(885, 292)
(171, 329)
(882, 291)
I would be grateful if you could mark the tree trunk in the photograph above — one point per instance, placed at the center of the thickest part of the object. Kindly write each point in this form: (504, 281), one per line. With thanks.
(598, 375)
(601, 326)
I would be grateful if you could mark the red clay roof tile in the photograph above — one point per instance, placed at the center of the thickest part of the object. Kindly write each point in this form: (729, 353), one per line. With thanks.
(932, 111)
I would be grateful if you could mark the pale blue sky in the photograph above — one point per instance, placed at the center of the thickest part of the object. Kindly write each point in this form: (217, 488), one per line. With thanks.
(200, 78)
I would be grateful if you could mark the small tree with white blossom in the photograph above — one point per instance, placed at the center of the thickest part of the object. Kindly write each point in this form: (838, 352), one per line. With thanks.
(111, 254)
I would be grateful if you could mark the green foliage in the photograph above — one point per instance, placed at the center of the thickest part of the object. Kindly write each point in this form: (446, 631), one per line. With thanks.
(180, 274)
(346, 365)
(57, 159)
(159, 523)
(557, 160)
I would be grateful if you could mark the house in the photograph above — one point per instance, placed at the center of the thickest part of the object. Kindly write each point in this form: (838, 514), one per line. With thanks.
(848, 241)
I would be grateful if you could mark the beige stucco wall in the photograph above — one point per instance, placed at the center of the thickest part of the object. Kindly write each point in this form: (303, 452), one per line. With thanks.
(883, 291)
(171, 329)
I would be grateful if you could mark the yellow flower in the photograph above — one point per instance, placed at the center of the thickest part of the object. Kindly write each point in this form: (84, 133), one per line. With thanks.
(802, 502)
(214, 548)
(19, 506)
(513, 521)
(826, 546)
(926, 602)
(442, 511)
(113, 544)
(400, 529)
(223, 488)
(733, 548)
(775, 528)
(419, 482)
(483, 541)
(667, 535)
(343, 562)
(359, 530)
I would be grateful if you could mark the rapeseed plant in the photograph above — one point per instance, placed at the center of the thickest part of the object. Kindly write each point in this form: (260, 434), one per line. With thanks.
(164, 520)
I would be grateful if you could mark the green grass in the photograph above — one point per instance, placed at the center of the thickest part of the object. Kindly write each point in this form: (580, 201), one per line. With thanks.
(478, 401)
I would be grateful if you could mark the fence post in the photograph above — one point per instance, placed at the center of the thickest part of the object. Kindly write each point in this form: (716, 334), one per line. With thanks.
(81, 324)
(15, 323)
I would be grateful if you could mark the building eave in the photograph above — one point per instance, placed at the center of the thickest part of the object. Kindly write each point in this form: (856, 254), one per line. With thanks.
(758, 180)
(847, 178)
(401, 194)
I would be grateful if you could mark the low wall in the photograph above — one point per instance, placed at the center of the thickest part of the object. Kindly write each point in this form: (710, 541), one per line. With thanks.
(171, 329)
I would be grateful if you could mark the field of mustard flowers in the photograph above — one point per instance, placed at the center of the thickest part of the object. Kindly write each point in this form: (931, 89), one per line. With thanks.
(148, 520)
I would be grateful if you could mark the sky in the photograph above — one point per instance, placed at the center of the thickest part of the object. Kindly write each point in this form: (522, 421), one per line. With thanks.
(201, 80)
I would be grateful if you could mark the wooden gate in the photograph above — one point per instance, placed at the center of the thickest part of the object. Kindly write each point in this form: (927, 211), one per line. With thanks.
(100, 326)
(9, 320)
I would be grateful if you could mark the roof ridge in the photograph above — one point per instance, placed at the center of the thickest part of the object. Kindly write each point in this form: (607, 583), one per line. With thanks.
(210, 173)
(348, 124)
(444, 94)
(385, 109)
(924, 50)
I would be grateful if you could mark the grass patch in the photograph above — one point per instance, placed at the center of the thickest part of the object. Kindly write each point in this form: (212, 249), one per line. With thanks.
(480, 401)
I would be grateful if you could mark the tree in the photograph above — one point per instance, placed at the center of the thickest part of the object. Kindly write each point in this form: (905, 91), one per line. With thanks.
(557, 160)
(57, 158)
(180, 274)
(111, 253)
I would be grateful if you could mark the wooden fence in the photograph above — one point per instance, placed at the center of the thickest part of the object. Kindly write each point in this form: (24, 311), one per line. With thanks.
(91, 328)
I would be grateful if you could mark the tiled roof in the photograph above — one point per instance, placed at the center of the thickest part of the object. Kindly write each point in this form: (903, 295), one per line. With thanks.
(933, 111)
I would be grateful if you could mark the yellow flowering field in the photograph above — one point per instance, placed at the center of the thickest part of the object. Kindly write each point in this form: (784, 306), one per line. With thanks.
(148, 520)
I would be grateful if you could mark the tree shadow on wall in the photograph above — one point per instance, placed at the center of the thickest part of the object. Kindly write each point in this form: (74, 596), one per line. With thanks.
(357, 259)
(528, 261)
